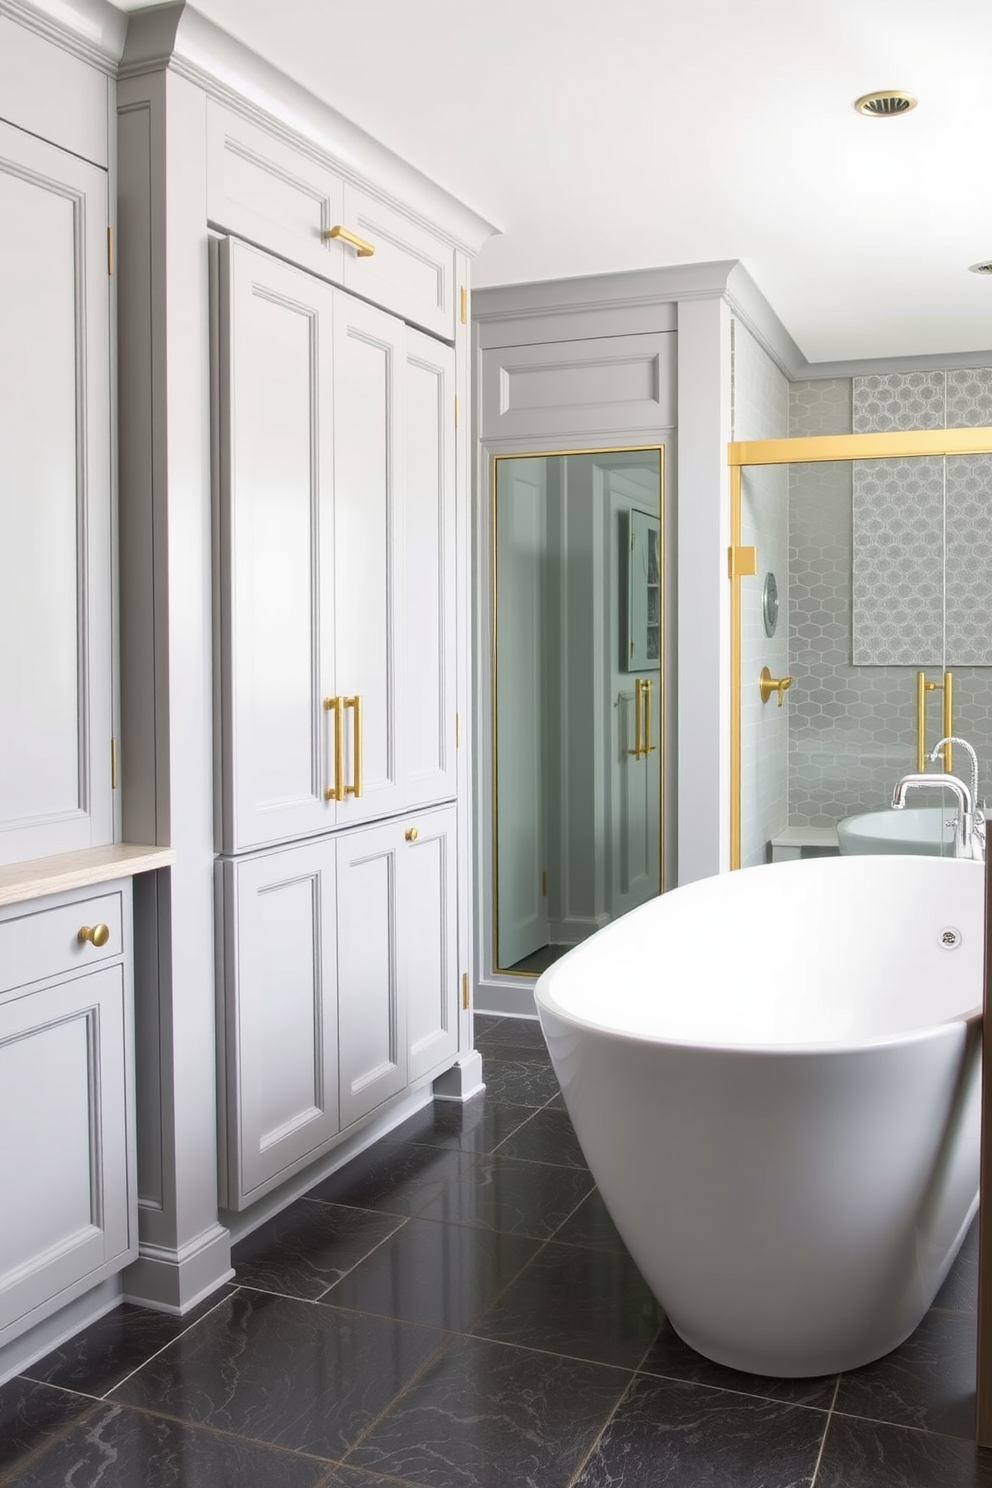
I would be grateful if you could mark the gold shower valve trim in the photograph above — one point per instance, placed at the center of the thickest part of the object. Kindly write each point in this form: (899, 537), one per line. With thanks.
(768, 684)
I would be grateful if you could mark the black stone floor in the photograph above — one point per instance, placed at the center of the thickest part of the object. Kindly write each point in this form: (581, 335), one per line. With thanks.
(455, 1310)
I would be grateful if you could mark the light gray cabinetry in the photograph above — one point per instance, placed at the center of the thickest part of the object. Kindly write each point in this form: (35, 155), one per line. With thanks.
(66, 1109)
(340, 988)
(266, 191)
(337, 557)
(56, 572)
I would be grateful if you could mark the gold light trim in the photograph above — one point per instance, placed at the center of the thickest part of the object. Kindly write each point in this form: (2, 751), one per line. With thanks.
(610, 449)
(886, 103)
(808, 450)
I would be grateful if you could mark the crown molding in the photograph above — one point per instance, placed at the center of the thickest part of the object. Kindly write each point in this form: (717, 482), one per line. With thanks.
(628, 290)
(947, 361)
(177, 38)
(92, 30)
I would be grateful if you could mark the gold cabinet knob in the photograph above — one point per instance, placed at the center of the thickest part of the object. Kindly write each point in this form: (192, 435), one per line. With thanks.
(412, 834)
(97, 935)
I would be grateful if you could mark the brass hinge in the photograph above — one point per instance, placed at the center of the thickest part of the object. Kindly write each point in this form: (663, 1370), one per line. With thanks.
(113, 764)
(544, 885)
(458, 731)
(464, 989)
(110, 250)
(742, 562)
(464, 311)
(456, 410)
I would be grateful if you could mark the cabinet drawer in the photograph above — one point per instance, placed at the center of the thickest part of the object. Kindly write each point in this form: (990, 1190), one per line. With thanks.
(411, 272)
(44, 943)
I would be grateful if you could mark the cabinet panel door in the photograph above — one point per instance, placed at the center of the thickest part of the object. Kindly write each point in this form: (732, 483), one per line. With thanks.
(281, 1032)
(368, 545)
(276, 347)
(428, 921)
(371, 1011)
(56, 576)
(64, 1162)
(428, 718)
(411, 272)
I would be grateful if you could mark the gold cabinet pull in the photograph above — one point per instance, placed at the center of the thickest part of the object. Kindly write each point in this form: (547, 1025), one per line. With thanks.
(356, 788)
(638, 748)
(335, 792)
(647, 692)
(769, 684)
(364, 249)
(411, 834)
(97, 935)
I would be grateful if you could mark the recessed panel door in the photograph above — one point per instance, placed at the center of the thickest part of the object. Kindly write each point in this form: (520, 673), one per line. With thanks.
(428, 924)
(56, 574)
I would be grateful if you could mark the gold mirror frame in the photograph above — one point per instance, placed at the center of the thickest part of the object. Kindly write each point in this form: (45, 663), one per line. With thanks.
(540, 454)
(742, 562)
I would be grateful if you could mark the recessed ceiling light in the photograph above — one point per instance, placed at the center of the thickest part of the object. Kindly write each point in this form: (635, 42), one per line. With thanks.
(885, 103)
(981, 268)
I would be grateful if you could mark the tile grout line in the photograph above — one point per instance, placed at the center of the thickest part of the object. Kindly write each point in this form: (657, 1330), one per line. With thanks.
(823, 1439)
(576, 1476)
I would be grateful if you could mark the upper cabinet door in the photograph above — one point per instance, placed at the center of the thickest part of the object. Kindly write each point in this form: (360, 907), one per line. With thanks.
(410, 271)
(370, 648)
(56, 570)
(276, 529)
(429, 572)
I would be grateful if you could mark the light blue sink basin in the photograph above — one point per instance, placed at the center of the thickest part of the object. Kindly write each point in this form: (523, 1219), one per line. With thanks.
(922, 830)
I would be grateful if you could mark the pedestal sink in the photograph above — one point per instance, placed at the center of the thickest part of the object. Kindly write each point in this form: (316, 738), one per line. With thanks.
(922, 830)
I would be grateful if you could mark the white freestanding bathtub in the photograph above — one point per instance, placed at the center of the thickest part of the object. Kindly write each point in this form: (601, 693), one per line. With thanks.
(774, 1076)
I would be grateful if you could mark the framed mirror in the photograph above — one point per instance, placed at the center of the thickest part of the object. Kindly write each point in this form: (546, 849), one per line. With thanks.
(578, 697)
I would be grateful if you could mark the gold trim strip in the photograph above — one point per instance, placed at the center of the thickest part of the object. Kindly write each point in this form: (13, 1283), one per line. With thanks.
(464, 305)
(735, 671)
(110, 250)
(113, 764)
(465, 1001)
(811, 448)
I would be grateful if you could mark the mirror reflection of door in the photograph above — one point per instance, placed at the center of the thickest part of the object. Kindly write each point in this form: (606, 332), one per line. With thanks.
(578, 696)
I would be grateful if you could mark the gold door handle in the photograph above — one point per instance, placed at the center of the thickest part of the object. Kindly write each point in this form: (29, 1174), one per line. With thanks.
(946, 686)
(97, 935)
(335, 792)
(769, 684)
(647, 693)
(356, 788)
(411, 834)
(638, 748)
(364, 249)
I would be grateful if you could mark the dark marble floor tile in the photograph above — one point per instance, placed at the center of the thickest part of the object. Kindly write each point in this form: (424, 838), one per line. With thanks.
(114, 1447)
(520, 1032)
(556, 1103)
(863, 1454)
(484, 1024)
(667, 1434)
(437, 1274)
(309, 1246)
(295, 1374)
(485, 1416)
(32, 1416)
(929, 1381)
(107, 1351)
(589, 1304)
(517, 1198)
(478, 1125)
(670, 1357)
(394, 1177)
(590, 1225)
(960, 1289)
(518, 1082)
(548, 1137)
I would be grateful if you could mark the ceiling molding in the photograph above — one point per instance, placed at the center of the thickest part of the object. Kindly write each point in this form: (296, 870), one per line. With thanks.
(949, 361)
(92, 30)
(178, 38)
(628, 289)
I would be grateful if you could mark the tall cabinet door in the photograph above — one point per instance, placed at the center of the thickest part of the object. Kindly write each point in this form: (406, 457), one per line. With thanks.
(371, 1005)
(429, 576)
(428, 930)
(280, 1027)
(277, 629)
(369, 368)
(56, 571)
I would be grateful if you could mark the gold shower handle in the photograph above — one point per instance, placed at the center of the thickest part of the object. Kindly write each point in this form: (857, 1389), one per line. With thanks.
(923, 686)
(355, 789)
(335, 792)
(769, 684)
(638, 748)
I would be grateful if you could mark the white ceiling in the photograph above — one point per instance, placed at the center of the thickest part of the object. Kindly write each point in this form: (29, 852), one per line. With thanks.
(638, 133)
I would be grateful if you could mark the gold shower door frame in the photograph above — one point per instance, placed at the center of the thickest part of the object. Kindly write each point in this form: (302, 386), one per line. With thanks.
(742, 564)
